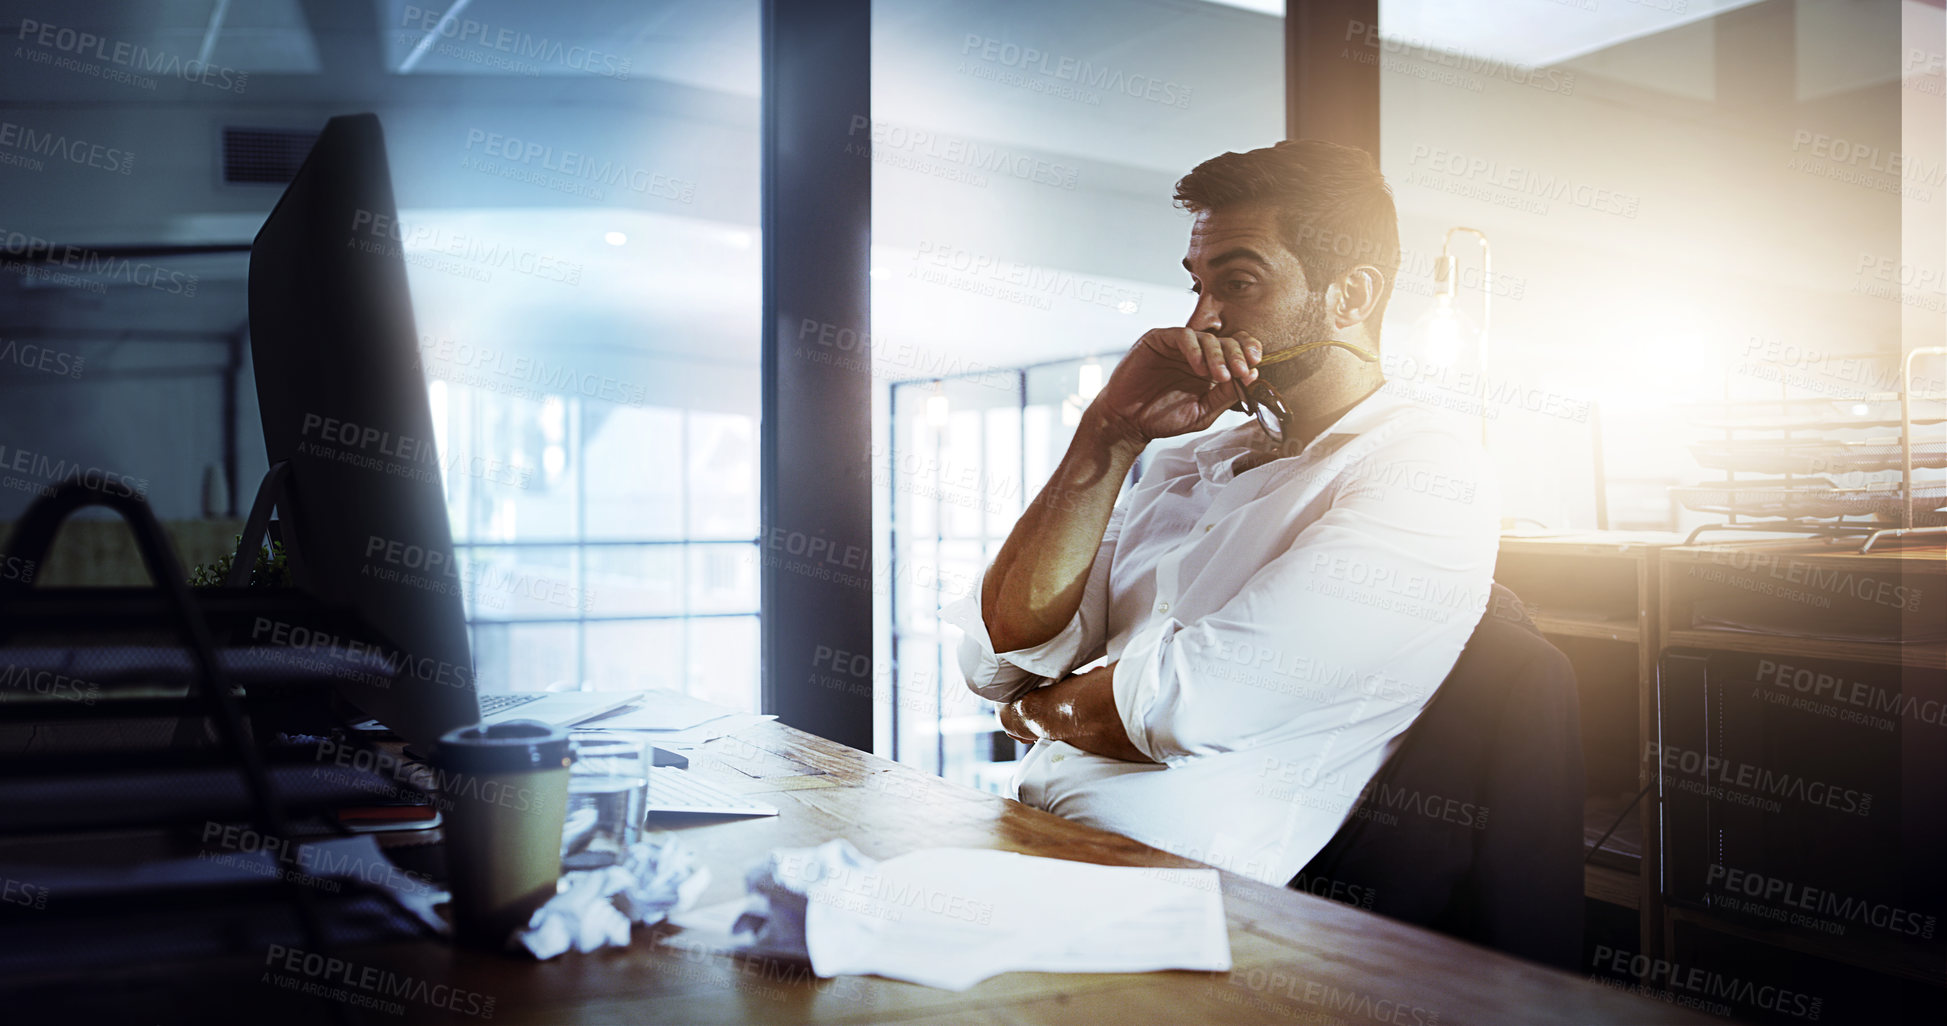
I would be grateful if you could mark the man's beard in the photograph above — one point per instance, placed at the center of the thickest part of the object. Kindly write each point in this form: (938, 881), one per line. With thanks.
(1309, 326)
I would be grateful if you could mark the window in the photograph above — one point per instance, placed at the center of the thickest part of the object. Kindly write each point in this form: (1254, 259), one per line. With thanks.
(611, 545)
(1023, 239)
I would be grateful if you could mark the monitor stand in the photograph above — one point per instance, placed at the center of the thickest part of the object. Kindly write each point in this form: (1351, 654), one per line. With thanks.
(274, 492)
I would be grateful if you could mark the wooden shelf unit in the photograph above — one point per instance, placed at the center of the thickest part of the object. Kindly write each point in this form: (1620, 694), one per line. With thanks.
(1594, 594)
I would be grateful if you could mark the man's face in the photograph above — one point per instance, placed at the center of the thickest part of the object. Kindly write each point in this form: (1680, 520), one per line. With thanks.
(1247, 280)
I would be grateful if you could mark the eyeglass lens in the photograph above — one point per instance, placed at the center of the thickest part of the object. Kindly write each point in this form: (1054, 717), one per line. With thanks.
(1266, 408)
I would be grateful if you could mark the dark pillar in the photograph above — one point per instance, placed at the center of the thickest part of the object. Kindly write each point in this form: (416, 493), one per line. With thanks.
(1331, 72)
(816, 545)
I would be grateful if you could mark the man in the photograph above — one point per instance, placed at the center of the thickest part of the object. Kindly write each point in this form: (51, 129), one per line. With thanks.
(1270, 613)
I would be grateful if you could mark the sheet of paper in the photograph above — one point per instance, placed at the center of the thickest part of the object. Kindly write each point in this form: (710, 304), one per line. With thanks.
(698, 734)
(662, 710)
(951, 917)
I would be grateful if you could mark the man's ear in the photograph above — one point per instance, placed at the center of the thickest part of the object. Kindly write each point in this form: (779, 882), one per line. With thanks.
(1356, 296)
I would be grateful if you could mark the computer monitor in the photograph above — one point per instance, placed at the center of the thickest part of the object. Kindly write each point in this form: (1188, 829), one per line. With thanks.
(343, 400)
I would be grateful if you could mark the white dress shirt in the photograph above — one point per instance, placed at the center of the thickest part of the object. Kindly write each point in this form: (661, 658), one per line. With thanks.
(1273, 632)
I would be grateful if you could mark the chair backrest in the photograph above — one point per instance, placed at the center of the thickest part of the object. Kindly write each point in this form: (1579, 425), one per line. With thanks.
(1474, 825)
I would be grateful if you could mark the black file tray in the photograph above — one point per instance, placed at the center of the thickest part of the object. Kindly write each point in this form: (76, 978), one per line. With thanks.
(167, 652)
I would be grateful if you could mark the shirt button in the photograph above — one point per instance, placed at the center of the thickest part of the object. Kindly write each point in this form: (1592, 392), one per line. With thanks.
(1162, 607)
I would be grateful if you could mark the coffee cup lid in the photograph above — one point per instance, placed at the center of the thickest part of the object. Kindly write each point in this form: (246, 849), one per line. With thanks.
(506, 747)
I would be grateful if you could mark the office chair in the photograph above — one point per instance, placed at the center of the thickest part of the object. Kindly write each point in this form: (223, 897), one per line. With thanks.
(1473, 826)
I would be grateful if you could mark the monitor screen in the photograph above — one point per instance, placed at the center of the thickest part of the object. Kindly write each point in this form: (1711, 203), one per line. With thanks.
(344, 404)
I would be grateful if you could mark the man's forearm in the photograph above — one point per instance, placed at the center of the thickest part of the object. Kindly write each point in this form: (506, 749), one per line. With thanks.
(1036, 583)
(1079, 710)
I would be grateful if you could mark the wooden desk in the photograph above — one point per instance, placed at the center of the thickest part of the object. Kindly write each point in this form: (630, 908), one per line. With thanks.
(1297, 958)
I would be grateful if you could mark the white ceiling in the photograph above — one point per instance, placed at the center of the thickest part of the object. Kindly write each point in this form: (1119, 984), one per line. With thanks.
(1113, 230)
(1536, 33)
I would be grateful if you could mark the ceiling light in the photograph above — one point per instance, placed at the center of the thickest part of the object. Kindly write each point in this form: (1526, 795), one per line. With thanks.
(615, 238)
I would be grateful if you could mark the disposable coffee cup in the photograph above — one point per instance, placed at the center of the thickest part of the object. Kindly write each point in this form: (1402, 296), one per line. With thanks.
(506, 792)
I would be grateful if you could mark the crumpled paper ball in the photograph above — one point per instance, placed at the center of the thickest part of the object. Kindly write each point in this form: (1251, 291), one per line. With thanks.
(595, 908)
(779, 888)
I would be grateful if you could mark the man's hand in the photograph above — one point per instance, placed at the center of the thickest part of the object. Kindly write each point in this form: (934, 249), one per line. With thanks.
(1175, 381)
(1014, 721)
(1079, 710)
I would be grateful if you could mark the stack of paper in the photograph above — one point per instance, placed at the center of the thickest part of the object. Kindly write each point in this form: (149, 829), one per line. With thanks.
(951, 917)
(672, 719)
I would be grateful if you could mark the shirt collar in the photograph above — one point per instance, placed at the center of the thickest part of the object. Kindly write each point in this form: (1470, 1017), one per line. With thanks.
(1217, 451)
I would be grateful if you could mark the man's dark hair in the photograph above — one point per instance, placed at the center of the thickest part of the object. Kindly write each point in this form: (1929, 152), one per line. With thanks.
(1333, 205)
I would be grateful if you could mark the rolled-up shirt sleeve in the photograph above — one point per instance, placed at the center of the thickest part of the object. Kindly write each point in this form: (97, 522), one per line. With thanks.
(1006, 676)
(1305, 645)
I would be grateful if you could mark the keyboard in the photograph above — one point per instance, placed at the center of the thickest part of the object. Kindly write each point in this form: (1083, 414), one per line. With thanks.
(678, 790)
(490, 704)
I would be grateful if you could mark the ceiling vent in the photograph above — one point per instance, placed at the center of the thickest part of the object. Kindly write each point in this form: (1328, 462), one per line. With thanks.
(264, 156)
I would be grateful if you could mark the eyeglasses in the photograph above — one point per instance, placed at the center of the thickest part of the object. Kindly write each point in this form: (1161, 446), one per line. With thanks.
(1263, 403)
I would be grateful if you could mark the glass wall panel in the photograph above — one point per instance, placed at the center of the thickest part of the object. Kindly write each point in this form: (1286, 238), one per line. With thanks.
(1024, 154)
(576, 194)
